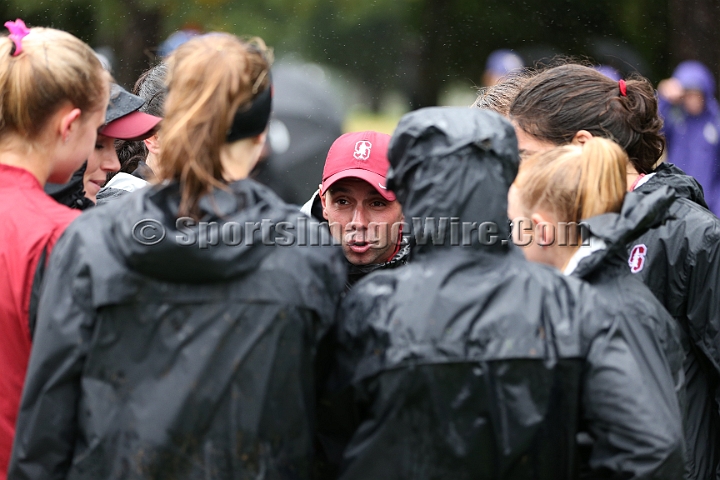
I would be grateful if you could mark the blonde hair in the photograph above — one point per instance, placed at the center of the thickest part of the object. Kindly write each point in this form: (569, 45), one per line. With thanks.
(53, 68)
(575, 182)
(209, 79)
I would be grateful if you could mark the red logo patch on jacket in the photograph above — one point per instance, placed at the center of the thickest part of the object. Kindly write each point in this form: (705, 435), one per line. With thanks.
(637, 258)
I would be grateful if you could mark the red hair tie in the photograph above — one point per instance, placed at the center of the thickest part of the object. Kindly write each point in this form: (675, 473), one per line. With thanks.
(18, 31)
(623, 87)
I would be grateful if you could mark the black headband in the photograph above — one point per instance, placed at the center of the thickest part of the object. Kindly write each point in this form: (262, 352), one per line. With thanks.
(251, 121)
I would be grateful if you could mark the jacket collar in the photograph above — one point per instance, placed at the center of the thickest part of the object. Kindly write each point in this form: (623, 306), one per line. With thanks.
(670, 175)
(639, 214)
(356, 272)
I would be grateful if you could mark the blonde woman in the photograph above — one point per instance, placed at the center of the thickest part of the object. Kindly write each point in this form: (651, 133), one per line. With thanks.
(178, 328)
(678, 260)
(53, 93)
(571, 201)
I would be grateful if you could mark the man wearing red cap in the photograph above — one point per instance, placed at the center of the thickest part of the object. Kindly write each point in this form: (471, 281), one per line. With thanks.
(363, 214)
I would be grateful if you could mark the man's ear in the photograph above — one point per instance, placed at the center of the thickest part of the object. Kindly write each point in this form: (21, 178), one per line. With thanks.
(153, 144)
(69, 121)
(581, 137)
(324, 208)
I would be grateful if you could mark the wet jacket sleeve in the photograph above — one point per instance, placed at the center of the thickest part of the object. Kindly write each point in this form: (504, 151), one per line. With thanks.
(630, 408)
(47, 421)
(703, 307)
(338, 414)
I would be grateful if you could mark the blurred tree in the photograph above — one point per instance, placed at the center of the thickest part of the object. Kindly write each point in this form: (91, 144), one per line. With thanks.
(424, 46)
(695, 34)
(140, 24)
(421, 47)
(129, 27)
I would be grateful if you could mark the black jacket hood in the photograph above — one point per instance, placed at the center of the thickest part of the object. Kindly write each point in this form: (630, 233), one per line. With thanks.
(482, 151)
(639, 213)
(226, 242)
(672, 176)
(209, 374)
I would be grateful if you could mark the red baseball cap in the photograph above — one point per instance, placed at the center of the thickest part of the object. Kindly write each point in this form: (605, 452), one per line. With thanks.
(133, 126)
(360, 155)
(123, 119)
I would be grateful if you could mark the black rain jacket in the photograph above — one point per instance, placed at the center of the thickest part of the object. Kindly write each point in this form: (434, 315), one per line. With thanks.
(680, 262)
(624, 294)
(472, 363)
(157, 358)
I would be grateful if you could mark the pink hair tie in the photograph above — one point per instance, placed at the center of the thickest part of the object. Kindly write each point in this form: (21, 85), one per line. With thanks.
(18, 31)
(623, 87)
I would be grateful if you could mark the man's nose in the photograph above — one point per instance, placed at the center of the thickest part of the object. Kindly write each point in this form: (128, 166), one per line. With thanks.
(359, 219)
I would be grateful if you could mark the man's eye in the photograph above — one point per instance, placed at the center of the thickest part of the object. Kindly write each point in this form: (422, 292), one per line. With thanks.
(98, 146)
(378, 204)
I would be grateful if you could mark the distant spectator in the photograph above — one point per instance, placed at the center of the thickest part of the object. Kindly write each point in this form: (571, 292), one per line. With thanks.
(692, 126)
(106, 57)
(499, 64)
(176, 39)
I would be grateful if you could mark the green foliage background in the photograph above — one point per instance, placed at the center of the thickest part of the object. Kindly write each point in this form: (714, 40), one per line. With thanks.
(418, 46)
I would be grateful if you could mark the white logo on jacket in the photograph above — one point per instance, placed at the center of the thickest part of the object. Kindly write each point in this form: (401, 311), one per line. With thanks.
(637, 258)
(362, 150)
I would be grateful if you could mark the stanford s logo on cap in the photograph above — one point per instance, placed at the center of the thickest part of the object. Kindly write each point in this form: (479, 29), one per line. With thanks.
(362, 150)
(359, 155)
(637, 258)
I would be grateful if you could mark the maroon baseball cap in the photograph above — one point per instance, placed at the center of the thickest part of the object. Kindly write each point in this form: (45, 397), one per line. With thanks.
(133, 126)
(360, 155)
(123, 119)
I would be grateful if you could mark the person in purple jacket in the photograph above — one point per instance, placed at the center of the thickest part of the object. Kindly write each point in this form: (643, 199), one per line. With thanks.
(692, 126)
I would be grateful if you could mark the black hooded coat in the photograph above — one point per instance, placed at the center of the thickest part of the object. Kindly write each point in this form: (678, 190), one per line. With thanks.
(472, 363)
(680, 262)
(624, 294)
(162, 356)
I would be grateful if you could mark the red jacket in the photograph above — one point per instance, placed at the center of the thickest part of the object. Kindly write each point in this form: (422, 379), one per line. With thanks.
(30, 223)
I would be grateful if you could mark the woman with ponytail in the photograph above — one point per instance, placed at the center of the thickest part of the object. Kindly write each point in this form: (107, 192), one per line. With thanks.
(566, 185)
(573, 199)
(178, 325)
(678, 260)
(53, 93)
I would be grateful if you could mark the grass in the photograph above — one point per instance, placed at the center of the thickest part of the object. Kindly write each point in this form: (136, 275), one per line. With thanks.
(357, 121)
